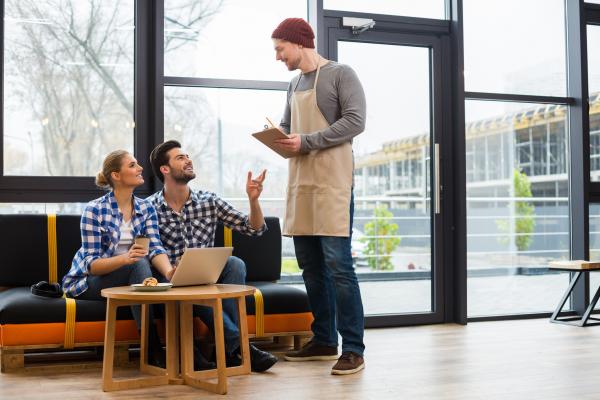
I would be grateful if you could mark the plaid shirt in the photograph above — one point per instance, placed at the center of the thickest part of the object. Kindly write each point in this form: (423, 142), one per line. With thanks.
(100, 236)
(196, 225)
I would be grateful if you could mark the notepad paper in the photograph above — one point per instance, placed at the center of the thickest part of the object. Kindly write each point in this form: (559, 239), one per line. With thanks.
(268, 137)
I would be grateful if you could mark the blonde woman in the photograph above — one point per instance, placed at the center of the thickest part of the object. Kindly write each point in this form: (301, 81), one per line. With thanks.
(108, 256)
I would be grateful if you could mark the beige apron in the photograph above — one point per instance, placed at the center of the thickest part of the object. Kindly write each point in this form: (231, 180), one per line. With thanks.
(320, 182)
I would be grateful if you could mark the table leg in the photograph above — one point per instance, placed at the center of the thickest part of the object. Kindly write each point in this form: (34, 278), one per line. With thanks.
(220, 346)
(590, 309)
(244, 368)
(198, 379)
(172, 343)
(108, 382)
(244, 341)
(563, 300)
(186, 342)
(144, 366)
(144, 338)
(109, 345)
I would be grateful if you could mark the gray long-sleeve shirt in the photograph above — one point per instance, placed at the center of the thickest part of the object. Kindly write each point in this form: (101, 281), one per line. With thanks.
(341, 99)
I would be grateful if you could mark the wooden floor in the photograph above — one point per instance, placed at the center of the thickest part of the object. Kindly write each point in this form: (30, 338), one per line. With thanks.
(530, 359)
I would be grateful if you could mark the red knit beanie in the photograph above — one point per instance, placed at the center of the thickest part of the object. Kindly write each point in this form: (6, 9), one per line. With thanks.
(295, 30)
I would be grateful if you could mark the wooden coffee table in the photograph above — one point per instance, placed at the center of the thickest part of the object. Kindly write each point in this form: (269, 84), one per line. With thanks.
(185, 298)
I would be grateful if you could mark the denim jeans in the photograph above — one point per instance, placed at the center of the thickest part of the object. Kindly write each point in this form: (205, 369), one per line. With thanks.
(332, 288)
(122, 276)
(234, 273)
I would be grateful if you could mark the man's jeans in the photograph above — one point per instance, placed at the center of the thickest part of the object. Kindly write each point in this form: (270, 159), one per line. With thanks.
(122, 276)
(233, 273)
(332, 288)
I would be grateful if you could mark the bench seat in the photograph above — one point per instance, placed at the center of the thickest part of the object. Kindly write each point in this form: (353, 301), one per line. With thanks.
(32, 322)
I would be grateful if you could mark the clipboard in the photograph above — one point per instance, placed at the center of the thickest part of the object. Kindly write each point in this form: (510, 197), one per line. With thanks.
(269, 135)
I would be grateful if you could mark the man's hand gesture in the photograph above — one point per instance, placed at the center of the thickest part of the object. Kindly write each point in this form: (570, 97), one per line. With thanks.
(254, 187)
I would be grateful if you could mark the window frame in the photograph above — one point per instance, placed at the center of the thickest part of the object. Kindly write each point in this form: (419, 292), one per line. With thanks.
(42, 189)
(149, 116)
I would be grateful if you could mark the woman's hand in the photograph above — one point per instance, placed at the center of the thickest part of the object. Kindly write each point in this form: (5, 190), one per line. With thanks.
(135, 253)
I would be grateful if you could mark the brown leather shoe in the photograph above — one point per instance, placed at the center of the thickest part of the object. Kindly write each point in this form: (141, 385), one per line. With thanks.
(348, 363)
(312, 351)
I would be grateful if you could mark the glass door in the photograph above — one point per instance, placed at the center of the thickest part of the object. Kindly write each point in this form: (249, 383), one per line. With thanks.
(397, 182)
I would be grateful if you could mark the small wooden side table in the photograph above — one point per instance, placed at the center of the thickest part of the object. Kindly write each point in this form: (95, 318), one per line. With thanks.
(185, 298)
(579, 267)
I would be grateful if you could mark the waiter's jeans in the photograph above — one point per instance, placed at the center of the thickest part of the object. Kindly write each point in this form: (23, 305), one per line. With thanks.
(332, 288)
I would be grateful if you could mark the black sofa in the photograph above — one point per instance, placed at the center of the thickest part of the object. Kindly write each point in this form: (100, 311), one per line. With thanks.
(40, 247)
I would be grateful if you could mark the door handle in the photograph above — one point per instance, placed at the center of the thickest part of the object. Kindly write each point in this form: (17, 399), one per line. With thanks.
(436, 178)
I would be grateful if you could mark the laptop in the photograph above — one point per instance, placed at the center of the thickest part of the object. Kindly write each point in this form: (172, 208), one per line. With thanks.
(201, 266)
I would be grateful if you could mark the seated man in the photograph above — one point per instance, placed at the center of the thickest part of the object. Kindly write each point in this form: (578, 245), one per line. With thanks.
(188, 218)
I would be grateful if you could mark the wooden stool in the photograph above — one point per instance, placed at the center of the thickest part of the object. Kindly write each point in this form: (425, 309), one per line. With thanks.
(578, 267)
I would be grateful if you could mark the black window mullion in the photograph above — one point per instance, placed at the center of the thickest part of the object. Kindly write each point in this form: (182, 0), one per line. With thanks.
(1, 94)
(143, 94)
(579, 145)
(224, 83)
(519, 98)
(157, 91)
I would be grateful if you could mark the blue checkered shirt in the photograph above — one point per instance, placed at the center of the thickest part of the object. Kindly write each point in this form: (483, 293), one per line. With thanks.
(100, 236)
(196, 224)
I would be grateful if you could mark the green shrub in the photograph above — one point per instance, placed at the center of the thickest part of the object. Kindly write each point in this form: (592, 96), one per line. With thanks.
(524, 211)
(383, 247)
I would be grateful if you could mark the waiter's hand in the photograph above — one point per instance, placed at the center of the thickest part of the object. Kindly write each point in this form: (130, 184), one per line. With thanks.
(254, 187)
(291, 144)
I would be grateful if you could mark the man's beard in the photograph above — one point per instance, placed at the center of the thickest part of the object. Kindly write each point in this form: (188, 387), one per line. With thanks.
(182, 177)
(294, 64)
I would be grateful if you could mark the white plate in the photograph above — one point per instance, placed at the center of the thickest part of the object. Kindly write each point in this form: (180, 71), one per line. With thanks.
(158, 288)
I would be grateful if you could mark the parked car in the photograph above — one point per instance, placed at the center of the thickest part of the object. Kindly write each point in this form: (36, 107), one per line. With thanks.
(359, 246)
(358, 249)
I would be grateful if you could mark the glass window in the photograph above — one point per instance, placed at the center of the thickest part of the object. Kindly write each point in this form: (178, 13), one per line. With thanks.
(594, 219)
(226, 39)
(422, 8)
(524, 56)
(214, 126)
(593, 40)
(518, 222)
(68, 85)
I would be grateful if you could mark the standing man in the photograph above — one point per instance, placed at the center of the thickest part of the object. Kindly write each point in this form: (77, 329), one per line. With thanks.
(325, 109)
(188, 218)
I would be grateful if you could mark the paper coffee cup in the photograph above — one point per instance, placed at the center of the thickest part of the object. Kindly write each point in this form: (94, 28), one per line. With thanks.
(144, 241)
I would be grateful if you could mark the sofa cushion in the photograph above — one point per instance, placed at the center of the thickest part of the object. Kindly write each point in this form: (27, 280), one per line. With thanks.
(19, 306)
(68, 241)
(278, 299)
(24, 249)
(262, 254)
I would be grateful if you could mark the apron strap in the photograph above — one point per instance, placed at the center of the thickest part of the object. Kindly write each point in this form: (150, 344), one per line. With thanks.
(316, 76)
(318, 70)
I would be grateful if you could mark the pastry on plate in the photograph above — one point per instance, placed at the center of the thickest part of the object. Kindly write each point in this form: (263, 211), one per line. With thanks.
(150, 282)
